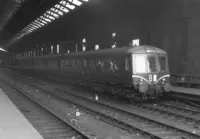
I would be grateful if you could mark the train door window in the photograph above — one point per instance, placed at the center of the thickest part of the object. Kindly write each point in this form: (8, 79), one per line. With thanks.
(42, 50)
(64, 64)
(92, 64)
(67, 64)
(106, 66)
(52, 49)
(102, 64)
(74, 64)
(127, 65)
(70, 64)
(89, 64)
(116, 65)
(97, 63)
(37, 52)
(81, 64)
(113, 66)
(52, 64)
(162, 63)
(85, 63)
(58, 48)
(78, 64)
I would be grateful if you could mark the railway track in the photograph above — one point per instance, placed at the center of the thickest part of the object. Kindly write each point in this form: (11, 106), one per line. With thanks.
(150, 126)
(170, 110)
(46, 122)
(173, 105)
(129, 135)
(188, 117)
(149, 120)
(131, 121)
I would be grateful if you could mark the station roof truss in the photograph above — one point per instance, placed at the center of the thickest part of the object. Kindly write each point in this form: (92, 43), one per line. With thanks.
(60, 9)
(10, 10)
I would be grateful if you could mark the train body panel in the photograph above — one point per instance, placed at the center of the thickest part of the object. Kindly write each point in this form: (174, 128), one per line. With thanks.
(6, 59)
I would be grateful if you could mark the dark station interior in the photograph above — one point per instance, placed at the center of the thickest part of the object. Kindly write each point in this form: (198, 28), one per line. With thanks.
(93, 65)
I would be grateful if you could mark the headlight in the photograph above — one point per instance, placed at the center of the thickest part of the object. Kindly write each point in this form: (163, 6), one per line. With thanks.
(141, 80)
(182, 79)
(163, 79)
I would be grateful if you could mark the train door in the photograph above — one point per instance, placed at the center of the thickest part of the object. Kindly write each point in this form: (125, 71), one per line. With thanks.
(127, 69)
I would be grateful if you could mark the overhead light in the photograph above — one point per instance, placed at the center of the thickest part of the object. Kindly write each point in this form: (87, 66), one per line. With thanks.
(61, 8)
(46, 19)
(70, 6)
(32, 28)
(36, 24)
(1, 49)
(53, 14)
(39, 22)
(57, 6)
(64, 9)
(51, 17)
(57, 11)
(41, 19)
(76, 2)
(60, 13)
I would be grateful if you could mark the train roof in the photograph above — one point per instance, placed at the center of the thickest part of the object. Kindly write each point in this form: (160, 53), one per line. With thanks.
(142, 49)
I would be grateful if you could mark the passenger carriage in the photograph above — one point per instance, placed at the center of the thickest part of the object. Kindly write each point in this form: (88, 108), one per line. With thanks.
(140, 72)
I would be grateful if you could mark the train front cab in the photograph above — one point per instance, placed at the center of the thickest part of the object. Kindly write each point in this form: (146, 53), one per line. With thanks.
(150, 73)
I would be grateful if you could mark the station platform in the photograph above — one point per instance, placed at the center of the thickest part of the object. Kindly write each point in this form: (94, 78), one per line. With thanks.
(184, 90)
(191, 94)
(13, 124)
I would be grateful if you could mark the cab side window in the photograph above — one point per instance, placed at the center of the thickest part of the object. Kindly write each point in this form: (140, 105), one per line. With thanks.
(162, 62)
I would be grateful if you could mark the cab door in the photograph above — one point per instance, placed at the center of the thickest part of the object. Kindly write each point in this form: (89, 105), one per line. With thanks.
(128, 69)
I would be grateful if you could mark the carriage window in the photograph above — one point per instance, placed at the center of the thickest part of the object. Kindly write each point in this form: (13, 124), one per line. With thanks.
(97, 63)
(140, 64)
(115, 66)
(151, 64)
(162, 62)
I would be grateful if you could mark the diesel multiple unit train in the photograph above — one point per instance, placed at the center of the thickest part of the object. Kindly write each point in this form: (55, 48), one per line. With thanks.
(140, 73)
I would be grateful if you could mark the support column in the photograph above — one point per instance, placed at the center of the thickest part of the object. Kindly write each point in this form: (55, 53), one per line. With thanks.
(192, 14)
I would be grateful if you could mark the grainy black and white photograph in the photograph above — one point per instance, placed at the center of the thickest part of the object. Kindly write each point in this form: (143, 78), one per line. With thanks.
(99, 69)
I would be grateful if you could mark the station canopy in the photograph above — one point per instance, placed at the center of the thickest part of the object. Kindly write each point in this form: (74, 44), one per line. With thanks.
(61, 8)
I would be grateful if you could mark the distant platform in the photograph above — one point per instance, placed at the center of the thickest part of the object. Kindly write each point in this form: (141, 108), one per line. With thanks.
(184, 90)
(13, 124)
(192, 94)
